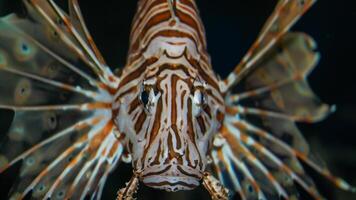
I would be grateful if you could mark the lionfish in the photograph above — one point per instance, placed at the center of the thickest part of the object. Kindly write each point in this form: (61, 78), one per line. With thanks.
(167, 112)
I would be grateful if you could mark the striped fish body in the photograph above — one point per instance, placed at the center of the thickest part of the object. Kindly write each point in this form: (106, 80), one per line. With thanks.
(169, 96)
(167, 113)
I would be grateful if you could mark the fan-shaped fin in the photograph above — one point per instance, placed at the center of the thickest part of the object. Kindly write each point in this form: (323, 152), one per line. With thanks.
(285, 14)
(279, 173)
(61, 93)
(259, 127)
(58, 26)
(30, 46)
(23, 89)
(104, 72)
(85, 155)
(29, 128)
(278, 83)
(44, 16)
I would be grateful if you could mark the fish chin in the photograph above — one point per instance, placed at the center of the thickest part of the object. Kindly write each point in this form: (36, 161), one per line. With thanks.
(171, 177)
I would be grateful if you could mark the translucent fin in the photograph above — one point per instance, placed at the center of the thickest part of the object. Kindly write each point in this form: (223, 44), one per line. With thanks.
(259, 127)
(61, 92)
(42, 125)
(234, 173)
(286, 13)
(78, 22)
(60, 162)
(56, 26)
(274, 173)
(279, 84)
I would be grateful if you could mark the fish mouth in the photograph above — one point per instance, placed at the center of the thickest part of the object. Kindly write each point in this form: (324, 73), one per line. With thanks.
(171, 177)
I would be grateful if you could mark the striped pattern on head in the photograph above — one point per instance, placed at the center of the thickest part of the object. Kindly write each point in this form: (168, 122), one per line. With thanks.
(169, 103)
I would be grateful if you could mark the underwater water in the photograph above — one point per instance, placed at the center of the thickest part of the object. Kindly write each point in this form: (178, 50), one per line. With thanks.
(232, 26)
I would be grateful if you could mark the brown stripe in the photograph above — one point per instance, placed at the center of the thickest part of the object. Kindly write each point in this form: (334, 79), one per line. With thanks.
(190, 128)
(200, 159)
(155, 129)
(134, 105)
(163, 183)
(165, 95)
(190, 22)
(137, 73)
(172, 153)
(128, 91)
(174, 100)
(187, 173)
(155, 20)
(140, 121)
(202, 72)
(171, 33)
(172, 67)
(207, 110)
(157, 173)
(158, 154)
(188, 3)
(139, 12)
(217, 99)
(182, 99)
(187, 154)
(206, 77)
(201, 124)
(179, 142)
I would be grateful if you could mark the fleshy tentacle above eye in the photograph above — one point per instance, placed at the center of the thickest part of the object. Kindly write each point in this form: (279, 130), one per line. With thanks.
(258, 150)
(58, 84)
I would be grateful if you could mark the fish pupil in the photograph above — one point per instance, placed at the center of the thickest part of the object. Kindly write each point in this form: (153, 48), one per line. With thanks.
(24, 48)
(144, 97)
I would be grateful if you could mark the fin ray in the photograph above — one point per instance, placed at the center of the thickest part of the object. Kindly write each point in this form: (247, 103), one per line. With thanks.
(286, 13)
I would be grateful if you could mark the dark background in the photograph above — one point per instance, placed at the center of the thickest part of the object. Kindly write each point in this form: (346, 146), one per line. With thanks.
(232, 25)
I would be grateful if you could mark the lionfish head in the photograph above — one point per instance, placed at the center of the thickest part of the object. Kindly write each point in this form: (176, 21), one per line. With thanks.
(172, 120)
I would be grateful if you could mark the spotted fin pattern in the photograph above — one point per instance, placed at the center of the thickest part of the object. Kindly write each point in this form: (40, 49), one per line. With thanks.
(259, 148)
(56, 81)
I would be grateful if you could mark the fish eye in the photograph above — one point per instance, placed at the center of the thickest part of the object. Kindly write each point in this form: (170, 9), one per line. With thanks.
(148, 96)
(200, 98)
(145, 97)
